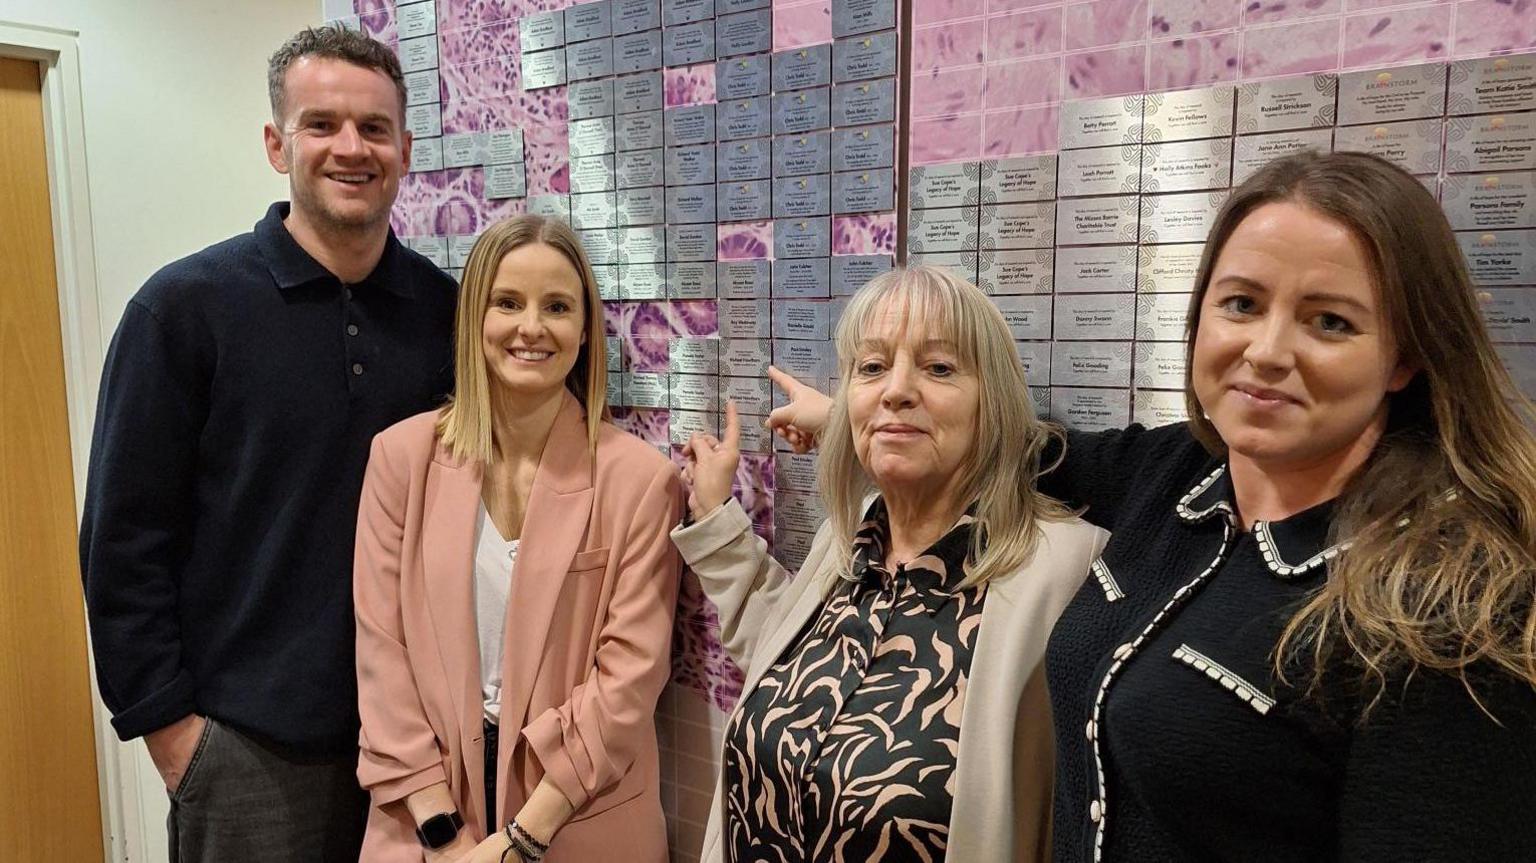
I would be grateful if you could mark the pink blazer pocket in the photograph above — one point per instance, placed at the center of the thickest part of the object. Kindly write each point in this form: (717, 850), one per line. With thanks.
(584, 561)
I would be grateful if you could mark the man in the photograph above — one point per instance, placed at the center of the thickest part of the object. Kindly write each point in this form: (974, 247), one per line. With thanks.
(238, 402)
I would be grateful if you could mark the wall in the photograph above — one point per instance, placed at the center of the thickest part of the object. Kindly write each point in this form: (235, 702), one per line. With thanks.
(174, 98)
(987, 80)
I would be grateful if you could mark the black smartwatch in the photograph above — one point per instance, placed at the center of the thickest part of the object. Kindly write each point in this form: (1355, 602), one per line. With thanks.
(439, 830)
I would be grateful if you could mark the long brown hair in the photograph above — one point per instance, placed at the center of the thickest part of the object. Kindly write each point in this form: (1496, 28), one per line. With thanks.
(465, 423)
(1439, 525)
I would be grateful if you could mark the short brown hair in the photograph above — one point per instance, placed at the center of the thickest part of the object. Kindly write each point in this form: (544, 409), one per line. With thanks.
(465, 424)
(331, 42)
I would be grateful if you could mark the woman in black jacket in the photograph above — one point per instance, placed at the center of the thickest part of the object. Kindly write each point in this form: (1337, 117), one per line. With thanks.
(1312, 634)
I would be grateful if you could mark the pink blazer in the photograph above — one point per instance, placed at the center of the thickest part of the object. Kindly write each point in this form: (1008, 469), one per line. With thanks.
(587, 647)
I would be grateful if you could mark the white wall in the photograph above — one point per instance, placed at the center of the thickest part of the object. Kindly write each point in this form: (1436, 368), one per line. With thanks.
(174, 97)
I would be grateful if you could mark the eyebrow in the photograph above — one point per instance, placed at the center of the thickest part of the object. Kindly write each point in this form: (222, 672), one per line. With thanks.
(926, 344)
(1314, 297)
(328, 114)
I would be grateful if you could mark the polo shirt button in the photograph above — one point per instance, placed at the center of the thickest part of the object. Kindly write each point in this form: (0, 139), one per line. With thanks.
(351, 329)
(357, 368)
(1095, 812)
(1124, 650)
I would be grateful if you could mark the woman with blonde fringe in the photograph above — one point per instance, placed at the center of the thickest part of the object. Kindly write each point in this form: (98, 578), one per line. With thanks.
(1313, 634)
(894, 705)
(515, 587)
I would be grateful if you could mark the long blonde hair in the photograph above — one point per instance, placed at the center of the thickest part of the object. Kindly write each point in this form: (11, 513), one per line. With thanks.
(465, 424)
(1439, 570)
(1000, 471)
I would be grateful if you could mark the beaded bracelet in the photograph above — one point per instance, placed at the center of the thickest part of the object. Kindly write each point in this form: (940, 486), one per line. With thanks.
(531, 849)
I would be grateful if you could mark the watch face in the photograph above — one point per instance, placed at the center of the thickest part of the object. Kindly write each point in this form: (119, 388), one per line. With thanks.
(439, 830)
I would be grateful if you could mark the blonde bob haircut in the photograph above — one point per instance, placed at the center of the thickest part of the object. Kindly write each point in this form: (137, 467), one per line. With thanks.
(998, 475)
(465, 423)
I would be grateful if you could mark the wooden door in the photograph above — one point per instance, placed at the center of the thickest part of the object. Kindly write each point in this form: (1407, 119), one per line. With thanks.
(50, 804)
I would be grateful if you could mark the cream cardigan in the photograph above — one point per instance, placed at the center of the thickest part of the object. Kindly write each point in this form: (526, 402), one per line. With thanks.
(1004, 768)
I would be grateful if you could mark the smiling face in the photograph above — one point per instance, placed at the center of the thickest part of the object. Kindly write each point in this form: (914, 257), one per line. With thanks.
(341, 142)
(912, 406)
(534, 324)
(1292, 360)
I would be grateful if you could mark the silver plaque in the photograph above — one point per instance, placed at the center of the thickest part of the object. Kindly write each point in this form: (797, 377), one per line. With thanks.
(744, 118)
(637, 52)
(589, 20)
(744, 33)
(1511, 314)
(864, 147)
(592, 174)
(423, 87)
(961, 264)
(424, 121)
(642, 245)
(1498, 258)
(744, 160)
(1413, 145)
(857, 104)
(427, 154)
(640, 168)
(745, 319)
(1157, 408)
(693, 356)
(802, 154)
(1182, 218)
(693, 280)
(1018, 226)
(851, 272)
(802, 67)
(794, 197)
(694, 124)
(1095, 317)
(801, 111)
(1387, 95)
(952, 229)
(688, 44)
(1085, 221)
(642, 282)
(1160, 365)
(691, 242)
(1169, 269)
(690, 166)
(743, 201)
(801, 319)
(1016, 271)
(860, 58)
(1028, 316)
(1101, 122)
(587, 60)
(690, 204)
(1090, 410)
(802, 238)
(1498, 142)
(1187, 166)
(601, 245)
(956, 185)
(1091, 364)
(1095, 269)
(1100, 171)
(676, 12)
(1491, 201)
(543, 69)
(1161, 317)
(590, 99)
(639, 92)
(1188, 114)
(851, 17)
(632, 16)
(802, 278)
(590, 137)
(1302, 102)
(415, 19)
(1493, 84)
(642, 130)
(542, 31)
(553, 206)
(419, 55)
(1011, 181)
(503, 146)
(742, 77)
(643, 206)
(599, 210)
(743, 280)
(1253, 152)
(870, 191)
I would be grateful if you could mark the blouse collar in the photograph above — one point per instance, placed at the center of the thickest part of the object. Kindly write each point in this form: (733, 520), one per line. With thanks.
(936, 573)
(1292, 548)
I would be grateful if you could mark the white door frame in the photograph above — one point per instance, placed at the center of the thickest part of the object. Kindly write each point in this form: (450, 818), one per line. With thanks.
(58, 54)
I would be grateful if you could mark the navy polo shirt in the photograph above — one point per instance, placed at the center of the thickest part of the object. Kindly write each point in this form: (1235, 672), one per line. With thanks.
(237, 404)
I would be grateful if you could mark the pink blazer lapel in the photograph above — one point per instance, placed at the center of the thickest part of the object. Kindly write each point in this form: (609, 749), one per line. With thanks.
(559, 508)
(448, 558)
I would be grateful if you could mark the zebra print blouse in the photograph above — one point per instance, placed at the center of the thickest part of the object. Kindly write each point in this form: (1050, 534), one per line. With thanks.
(845, 750)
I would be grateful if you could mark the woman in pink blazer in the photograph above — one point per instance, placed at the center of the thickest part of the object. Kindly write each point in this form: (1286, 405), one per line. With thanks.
(515, 586)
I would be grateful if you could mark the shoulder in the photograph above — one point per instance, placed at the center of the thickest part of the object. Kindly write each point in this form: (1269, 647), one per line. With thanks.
(182, 286)
(432, 284)
(1064, 550)
(411, 439)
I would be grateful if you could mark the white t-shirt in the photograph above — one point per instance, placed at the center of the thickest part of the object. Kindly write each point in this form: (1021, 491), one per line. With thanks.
(494, 559)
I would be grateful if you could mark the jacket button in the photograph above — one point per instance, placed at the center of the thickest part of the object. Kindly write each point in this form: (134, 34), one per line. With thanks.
(1124, 650)
(1093, 730)
(1095, 812)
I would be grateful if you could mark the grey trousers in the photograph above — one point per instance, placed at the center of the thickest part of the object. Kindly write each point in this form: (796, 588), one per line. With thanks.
(242, 800)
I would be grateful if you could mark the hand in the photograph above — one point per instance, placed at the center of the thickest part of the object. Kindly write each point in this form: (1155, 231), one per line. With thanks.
(712, 465)
(172, 748)
(489, 851)
(800, 421)
(459, 849)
